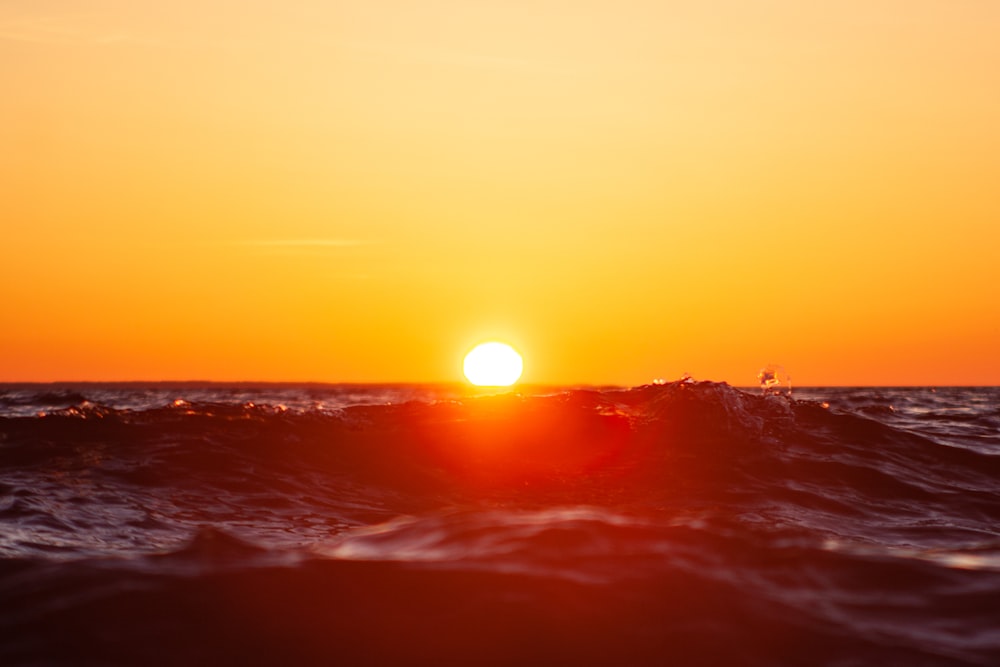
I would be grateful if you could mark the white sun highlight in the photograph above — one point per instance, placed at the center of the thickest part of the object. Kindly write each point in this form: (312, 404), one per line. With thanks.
(493, 365)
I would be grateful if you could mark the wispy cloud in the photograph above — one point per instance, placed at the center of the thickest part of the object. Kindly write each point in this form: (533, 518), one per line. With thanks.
(81, 27)
(305, 243)
(40, 30)
(69, 29)
(94, 28)
(428, 55)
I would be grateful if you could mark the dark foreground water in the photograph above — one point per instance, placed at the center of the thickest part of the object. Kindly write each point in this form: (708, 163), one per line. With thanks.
(683, 524)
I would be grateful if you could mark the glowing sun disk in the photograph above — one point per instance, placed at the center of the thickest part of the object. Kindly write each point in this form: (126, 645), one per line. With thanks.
(493, 365)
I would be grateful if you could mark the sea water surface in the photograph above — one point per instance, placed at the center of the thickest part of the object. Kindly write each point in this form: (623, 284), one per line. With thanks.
(688, 523)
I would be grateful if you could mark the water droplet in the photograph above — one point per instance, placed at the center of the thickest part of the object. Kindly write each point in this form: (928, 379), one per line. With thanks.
(774, 380)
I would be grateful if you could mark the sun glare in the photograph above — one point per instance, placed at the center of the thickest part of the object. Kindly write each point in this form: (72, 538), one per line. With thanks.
(493, 365)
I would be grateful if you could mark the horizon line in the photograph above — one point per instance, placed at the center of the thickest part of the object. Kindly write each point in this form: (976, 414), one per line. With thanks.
(462, 382)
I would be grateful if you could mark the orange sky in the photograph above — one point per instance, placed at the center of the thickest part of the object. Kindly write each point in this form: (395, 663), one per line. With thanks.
(360, 191)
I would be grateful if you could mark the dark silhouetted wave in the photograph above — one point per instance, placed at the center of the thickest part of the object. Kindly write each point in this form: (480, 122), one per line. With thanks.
(688, 523)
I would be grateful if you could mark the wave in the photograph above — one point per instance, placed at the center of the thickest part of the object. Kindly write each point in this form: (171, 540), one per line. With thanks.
(569, 586)
(679, 440)
(689, 522)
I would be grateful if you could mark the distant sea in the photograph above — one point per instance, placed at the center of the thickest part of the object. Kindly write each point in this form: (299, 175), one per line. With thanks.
(685, 523)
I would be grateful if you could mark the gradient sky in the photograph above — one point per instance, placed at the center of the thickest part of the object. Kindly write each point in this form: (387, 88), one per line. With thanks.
(361, 191)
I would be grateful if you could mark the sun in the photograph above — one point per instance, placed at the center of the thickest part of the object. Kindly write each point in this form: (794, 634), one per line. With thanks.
(493, 365)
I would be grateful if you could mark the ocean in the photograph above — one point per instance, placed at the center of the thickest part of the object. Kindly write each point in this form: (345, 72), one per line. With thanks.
(684, 523)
